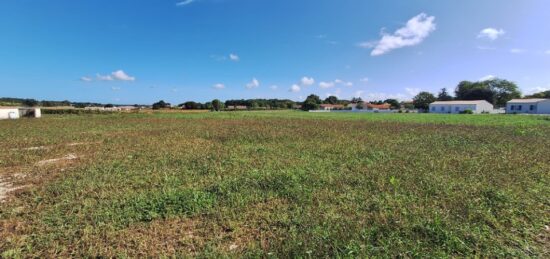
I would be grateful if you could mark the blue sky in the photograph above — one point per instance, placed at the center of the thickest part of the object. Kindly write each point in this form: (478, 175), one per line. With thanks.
(130, 51)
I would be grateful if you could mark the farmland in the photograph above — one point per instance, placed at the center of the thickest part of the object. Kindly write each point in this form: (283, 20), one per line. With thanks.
(281, 184)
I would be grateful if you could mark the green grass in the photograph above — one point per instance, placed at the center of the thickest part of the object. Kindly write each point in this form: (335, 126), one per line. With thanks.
(282, 184)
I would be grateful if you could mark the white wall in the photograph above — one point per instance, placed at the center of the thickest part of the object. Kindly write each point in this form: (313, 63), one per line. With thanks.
(9, 114)
(451, 108)
(544, 107)
(540, 108)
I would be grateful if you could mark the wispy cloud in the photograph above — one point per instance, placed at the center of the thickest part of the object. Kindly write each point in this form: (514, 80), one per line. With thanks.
(274, 87)
(253, 84)
(491, 33)
(295, 88)
(325, 85)
(86, 79)
(415, 31)
(517, 51)
(185, 2)
(234, 57)
(118, 75)
(412, 91)
(218, 86)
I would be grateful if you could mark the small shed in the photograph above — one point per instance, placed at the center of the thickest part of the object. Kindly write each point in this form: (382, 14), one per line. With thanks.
(19, 112)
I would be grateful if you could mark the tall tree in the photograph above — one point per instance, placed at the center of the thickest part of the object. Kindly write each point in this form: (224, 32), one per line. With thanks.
(393, 102)
(311, 103)
(331, 100)
(216, 105)
(496, 91)
(503, 90)
(422, 100)
(444, 95)
(161, 105)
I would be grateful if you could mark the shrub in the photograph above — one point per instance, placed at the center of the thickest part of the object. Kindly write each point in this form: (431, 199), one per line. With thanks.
(467, 112)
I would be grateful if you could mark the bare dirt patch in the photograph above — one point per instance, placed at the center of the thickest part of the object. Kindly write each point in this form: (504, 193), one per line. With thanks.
(57, 160)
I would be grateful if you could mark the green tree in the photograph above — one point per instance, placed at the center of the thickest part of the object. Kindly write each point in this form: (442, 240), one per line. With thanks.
(545, 94)
(331, 100)
(216, 105)
(312, 102)
(393, 102)
(30, 102)
(444, 95)
(503, 90)
(496, 91)
(161, 105)
(422, 100)
(360, 105)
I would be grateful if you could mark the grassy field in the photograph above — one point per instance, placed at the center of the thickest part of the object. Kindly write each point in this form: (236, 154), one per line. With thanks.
(275, 184)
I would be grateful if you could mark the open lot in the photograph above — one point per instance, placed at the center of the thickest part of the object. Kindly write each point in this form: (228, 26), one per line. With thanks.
(280, 184)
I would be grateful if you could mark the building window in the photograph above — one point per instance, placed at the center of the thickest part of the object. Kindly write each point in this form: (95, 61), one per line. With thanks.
(519, 107)
(433, 109)
(442, 108)
(532, 107)
(457, 109)
(512, 107)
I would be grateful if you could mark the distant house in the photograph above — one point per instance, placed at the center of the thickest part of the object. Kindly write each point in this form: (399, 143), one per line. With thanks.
(370, 106)
(330, 107)
(530, 106)
(477, 107)
(384, 106)
(237, 107)
(18, 112)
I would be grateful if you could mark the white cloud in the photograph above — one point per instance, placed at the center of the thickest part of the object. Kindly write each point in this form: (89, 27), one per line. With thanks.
(385, 96)
(274, 87)
(491, 33)
(120, 75)
(412, 91)
(326, 85)
(114, 88)
(295, 88)
(415, 31)
(359, 93)
(517, 51)
(234, 57)
(185, 2)
(86, 79)
(365, 79)
(307, 81)
(487, 78)
(117, 75)
(104, 78)
(253, 84)
(219, 86)
(547, 52)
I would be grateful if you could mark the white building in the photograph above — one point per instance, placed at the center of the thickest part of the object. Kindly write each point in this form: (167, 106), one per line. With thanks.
(476, 107)
(16, 113)
(531, 106)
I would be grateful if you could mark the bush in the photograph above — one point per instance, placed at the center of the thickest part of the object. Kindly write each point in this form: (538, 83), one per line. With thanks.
(467, 112)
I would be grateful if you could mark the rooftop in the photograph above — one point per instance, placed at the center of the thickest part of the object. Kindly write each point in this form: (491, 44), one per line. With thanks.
(461, 102)
(534, 100)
